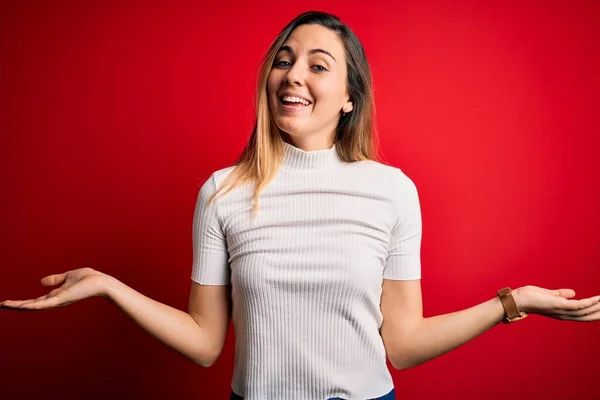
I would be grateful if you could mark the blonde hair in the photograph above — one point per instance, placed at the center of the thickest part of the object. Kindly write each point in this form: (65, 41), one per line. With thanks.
(355, 138)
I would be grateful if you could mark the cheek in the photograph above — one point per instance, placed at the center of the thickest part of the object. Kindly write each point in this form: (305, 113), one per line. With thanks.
(272, 83)
(328, 93)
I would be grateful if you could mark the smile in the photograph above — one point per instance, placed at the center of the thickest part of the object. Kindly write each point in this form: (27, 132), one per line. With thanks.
(293, 103)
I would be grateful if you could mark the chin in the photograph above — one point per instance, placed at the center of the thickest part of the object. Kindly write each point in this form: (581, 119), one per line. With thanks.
(291, 129)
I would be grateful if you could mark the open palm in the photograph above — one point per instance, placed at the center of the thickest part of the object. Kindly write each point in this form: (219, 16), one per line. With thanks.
(558, 304)
(76, 285)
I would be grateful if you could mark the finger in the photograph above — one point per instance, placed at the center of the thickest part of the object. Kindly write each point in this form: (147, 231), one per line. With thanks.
(51, 294)
(593, 316)
(25, 302)
(576, 305)
(42, 304)
(53, 280)
(15, 304)
(581, 313)
(590, 317)
(18, 303)
(12, 303)
(566, 293)
(35, 304)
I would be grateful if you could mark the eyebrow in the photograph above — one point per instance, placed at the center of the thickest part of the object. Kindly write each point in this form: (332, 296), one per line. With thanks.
(312, 51)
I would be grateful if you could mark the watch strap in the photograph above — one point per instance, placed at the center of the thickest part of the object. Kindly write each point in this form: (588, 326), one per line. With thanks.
(511, 311)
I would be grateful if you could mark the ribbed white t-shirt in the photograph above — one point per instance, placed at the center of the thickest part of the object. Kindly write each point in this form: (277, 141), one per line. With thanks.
(307, 273)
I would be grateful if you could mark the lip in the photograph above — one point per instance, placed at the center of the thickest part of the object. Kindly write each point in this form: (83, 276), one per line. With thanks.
(287, 93)
(287, 108)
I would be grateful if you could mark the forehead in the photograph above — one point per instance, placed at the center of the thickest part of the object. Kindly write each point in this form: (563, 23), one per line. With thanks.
(312, 36)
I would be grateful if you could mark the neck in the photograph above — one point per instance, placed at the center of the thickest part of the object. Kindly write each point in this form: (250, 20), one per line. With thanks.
(313, 142)
(299, 159)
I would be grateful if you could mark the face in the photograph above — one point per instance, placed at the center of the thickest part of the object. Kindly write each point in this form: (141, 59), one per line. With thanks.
(307, 83)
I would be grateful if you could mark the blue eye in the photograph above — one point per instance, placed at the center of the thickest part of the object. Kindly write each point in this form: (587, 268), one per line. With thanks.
(279, 64)
(286, 64)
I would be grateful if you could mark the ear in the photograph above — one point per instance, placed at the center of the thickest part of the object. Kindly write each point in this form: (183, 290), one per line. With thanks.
(348, 106)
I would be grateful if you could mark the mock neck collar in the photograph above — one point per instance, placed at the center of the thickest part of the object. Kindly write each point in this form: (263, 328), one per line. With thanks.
(298, 159)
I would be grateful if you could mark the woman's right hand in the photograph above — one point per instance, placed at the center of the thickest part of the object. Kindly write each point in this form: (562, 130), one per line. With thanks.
(76, 285)
(200, 339)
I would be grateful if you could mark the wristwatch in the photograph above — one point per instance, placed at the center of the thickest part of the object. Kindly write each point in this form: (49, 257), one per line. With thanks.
(511, 311)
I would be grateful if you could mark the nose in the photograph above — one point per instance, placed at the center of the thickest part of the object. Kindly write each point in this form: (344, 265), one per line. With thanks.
(295, 75)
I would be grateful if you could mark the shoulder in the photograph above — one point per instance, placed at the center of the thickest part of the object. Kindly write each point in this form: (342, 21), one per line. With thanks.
(392, 176)
(217, 177)
(221, 174)
(231, 190)
(401, 189)
(210, 184)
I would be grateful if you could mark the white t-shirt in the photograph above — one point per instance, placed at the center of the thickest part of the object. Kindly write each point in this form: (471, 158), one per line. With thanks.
(307, 273)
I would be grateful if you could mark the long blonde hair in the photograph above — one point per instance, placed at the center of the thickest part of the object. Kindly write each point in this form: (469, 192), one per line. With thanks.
(355, 138)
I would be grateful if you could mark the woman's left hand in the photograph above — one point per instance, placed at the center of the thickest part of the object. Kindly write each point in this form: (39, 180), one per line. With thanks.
(557, 304)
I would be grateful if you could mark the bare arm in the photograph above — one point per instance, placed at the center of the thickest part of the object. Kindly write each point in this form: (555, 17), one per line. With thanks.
(198, 335)
(429, 338)
(411, 340)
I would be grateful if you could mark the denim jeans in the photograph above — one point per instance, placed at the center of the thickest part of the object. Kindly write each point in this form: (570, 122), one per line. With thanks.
(390, 396)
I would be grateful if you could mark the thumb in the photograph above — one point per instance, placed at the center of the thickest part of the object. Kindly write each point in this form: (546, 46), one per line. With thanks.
(53, 280)
(566, 293)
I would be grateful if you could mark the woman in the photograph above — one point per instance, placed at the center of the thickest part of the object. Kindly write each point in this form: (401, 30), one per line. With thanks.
(311, 245)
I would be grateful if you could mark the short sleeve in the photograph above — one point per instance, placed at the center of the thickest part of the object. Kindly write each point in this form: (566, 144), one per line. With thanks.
(210, 259)
(404, 254)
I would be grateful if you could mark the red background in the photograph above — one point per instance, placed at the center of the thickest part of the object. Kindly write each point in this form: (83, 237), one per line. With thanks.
(113, 114)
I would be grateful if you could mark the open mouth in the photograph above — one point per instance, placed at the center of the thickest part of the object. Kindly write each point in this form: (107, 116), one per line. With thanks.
(292, 102)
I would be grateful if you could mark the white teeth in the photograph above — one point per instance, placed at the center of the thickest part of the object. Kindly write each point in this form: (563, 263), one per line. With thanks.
(292, 99)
